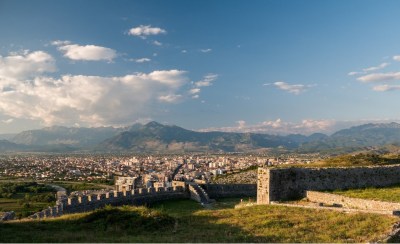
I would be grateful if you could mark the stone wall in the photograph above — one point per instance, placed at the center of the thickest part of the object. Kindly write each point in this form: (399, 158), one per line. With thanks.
(216, 191)
(276, 184)
(86, 203)
(349, 202)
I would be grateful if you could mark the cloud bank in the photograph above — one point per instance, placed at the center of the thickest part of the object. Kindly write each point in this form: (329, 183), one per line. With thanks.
(26, 91)
(304, 127)
(87, 52)
(146, 30)
(294, 89)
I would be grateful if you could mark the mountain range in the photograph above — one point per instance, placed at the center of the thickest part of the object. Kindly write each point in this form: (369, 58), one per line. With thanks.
(154, 137)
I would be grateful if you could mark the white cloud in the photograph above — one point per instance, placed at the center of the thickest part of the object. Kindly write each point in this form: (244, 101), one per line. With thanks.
(383, 88)
(141, 60)
(295, 89)
(305, 127)
(396, 58)
(194, 91)
(207, 80)
(380, 77)
(87, 52)
(369, 69)
(60, 43)
(278, 126)
(374, 68)
(90, 100)
(195, 96)
(146, 30)
(157, 43)
(26, 65)
(184, 51)
(206, 50)
(170, 98)
(7, 121)
(354, 73)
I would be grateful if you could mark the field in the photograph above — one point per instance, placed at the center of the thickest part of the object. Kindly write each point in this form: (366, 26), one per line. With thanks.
(80, 186)
(25, 198)
(389, 194)
(187, 221)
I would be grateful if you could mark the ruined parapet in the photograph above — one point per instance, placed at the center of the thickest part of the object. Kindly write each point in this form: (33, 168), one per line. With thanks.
(151, 190)
(47, 213)
(127, 194)
(278, 184)
(7, 216)
(160, 189)
(88, 202)
(34, 216)
(73, 201)
(178, 188)
(54, 211)
(330, 199)
(83, 199)
(59, 209)
(198, 194)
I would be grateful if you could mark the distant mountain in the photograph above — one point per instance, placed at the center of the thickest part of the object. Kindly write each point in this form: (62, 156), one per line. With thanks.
(356, 137)
(6, 136)
(59, 135)
(155, 137)
(6, 146)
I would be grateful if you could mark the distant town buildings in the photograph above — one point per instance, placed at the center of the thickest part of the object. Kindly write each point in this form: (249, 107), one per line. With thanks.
(134, 171)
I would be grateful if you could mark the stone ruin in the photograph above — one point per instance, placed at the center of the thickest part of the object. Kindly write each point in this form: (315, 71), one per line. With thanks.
(283, 184)
(90, 202)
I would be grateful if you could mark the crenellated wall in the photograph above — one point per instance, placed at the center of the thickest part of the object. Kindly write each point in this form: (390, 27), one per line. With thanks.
(142, 196)
(276, 184)
(91, 202)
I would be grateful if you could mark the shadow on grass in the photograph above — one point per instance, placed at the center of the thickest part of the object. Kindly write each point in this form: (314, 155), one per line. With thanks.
(173, 221)
(188, 221)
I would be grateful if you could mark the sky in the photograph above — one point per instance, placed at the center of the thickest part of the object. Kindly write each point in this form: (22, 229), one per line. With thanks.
(263, 66)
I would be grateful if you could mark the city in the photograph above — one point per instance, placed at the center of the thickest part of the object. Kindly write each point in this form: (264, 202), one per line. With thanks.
(151, 170)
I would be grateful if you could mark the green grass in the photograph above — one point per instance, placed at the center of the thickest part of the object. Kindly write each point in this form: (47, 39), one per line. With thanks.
(388, 194)
(187, 221)
(360, 159)
(14, 204)
(80, 186)
(349, 160)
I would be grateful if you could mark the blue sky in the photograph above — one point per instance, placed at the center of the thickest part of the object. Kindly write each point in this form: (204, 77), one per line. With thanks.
(251, 66)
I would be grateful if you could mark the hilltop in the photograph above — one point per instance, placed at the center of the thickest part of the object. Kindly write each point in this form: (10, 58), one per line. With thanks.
(187, 221)
(154, 137)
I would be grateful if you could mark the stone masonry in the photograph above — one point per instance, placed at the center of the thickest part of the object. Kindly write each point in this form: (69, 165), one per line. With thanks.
(278, 184)
(350, 202)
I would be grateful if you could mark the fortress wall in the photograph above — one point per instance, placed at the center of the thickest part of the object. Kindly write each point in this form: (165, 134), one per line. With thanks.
(349, 202)
(91, 202)
(230, 190)
(278, 184)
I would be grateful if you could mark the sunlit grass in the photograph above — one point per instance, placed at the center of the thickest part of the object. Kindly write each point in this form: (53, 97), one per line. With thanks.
(187, 221)
(388, 194)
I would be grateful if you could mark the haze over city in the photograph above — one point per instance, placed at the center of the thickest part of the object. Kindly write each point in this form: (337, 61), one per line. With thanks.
(262, 66)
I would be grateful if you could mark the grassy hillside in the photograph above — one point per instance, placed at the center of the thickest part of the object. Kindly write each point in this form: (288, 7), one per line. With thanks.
(187, 221)
(351, 160)
(389, 194)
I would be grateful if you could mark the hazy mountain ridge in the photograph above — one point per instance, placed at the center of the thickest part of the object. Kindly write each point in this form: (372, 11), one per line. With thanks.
(55, 135)
(357, 137)
(164, 138)
(154, 137)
